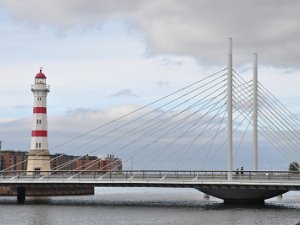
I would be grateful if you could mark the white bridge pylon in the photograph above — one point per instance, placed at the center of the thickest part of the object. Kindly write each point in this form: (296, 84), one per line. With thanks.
(229, 113)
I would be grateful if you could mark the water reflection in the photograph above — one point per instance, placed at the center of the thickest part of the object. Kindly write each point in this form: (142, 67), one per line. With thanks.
(40, 215)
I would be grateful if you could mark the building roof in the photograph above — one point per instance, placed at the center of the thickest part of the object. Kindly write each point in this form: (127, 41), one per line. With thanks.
(40, 74)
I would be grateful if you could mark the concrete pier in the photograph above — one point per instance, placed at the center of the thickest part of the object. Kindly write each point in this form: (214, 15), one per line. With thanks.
(242, 196)
(23, 192)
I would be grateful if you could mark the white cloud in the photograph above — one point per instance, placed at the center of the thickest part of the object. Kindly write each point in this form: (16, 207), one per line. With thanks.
(124, 92)
(195, 28)
(162, 84)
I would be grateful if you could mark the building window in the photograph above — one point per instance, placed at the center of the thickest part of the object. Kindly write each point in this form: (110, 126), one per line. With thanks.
(38, 144)
(39, 121)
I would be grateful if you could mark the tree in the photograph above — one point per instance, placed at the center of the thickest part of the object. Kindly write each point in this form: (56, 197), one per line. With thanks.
(294, 166)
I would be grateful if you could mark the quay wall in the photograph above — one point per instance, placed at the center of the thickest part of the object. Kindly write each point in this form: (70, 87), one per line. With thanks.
(48, 191)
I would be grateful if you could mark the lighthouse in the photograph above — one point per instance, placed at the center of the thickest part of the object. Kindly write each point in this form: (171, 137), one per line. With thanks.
(38, 156)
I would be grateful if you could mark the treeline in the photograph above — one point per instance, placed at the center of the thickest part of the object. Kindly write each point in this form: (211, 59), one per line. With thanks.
(294, 166)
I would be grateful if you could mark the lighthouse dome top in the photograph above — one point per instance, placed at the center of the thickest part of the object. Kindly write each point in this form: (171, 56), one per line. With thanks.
(40, 74)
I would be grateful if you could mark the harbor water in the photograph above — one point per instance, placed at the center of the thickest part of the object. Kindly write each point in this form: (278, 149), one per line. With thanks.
(141, 206)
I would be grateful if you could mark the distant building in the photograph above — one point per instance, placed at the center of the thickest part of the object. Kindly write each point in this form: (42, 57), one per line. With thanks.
(13, 160)
(16, 160)
(70, 162)
(110, 163)
(62, 162)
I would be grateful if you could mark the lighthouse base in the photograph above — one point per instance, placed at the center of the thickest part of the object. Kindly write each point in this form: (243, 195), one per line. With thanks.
(38, 161)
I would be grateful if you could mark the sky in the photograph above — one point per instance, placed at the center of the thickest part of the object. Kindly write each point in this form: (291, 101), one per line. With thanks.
(103, 58)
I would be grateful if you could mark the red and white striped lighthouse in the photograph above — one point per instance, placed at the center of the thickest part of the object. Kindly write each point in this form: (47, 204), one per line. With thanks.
(39, 157)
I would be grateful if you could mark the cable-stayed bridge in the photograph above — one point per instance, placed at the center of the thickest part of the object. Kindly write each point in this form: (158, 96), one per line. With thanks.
(202, 122)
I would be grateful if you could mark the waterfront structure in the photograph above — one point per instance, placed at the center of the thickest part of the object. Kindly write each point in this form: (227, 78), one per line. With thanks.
(39, 156)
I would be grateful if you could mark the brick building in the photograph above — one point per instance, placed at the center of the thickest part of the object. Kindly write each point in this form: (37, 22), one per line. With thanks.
(13, 160)
(62, 162)
(110, 163)
(16, 160)
(103, 163)
(70, 162)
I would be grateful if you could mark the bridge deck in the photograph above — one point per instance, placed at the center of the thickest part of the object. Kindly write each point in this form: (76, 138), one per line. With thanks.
(277, 180)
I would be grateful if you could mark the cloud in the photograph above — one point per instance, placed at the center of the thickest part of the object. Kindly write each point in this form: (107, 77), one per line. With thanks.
(22, 107)
(194, 28)
(167, 61)
(15, 133)
(124, 92)
(162, 84)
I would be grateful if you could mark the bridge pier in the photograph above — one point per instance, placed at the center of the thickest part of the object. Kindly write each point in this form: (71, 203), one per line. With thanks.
(21, 194)
(236, 195)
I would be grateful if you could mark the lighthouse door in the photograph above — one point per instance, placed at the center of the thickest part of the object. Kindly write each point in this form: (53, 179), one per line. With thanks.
(37, 171)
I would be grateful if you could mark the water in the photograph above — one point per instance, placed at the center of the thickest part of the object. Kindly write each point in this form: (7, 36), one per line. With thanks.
(145, 206)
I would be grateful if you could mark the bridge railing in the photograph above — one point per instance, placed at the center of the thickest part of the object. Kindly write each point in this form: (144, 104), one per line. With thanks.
(148, 175)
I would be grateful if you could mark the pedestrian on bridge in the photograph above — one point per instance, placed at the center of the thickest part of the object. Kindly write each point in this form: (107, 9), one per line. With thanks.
(237, 171)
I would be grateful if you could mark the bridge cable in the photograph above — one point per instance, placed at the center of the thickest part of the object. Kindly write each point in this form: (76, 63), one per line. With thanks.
(166, 133)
